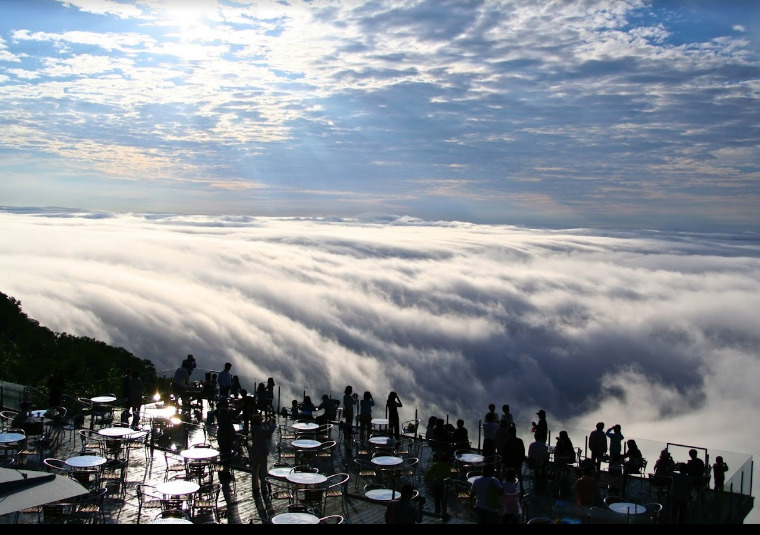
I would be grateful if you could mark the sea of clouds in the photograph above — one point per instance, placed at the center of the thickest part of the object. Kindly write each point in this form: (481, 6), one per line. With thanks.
(656, 331)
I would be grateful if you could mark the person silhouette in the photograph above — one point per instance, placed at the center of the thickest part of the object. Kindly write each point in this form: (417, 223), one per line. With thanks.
(597, 444)
(541, 432)
(719, 473)
(394, 425)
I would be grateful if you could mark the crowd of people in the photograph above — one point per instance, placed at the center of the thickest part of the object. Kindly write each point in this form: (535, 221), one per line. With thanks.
(496, 493)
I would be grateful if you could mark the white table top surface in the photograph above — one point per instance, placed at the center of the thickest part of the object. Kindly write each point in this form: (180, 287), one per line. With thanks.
(116, 432)
(306, 443)
(178, 487)
(11, 437)
(85, 461)
(470, 457)
(103, 399)
(306, 478)
(280, 472)
(295, 518)
(380, 421)
(387, 460)
(627, 508)
(170, 521)
(382, 441)
(382, 495)
(305, 426)
(199, 453)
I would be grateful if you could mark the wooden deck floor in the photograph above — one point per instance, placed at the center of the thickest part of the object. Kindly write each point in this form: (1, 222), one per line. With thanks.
(239, 505)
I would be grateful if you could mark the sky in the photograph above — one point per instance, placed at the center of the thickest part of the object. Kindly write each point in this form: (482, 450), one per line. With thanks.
(557, 114)
(657, 331)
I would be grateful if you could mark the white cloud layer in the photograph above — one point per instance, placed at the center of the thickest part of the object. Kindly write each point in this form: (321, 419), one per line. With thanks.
(656, 331)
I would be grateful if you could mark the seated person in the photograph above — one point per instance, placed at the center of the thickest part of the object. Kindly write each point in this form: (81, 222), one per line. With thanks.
(209, 388)
(330, 406)
(634, 460)
(695, 467)
(665, 465)
(564, 452)
(306, 409)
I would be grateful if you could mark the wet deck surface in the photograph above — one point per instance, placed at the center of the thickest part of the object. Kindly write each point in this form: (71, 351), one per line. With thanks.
(238, 504)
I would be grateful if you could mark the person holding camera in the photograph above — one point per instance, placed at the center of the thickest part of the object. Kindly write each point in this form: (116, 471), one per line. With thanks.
(394, 425)
(365, 416)
(405, 510)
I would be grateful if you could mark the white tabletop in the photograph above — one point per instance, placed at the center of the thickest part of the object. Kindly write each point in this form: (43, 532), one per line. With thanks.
(198, 454)
(382, 495)
(280, 472)
(85, 461)
(116, 432)
(306, 478)
(379, 421)
(295, 518)
(306, 444)
(171, 521)
(103, 399)
(470, 458)
(387, 460)
(628, 508)
(43, 413)
(7, 438)
(178, 487)
(382, 441)
(305, 426)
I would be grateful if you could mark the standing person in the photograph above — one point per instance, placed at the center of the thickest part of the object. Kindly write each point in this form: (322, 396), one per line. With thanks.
(135, 398)
(258, 451)
(488, 492)
(404, 510)
(490, 427)
(349, 399)
(436, 477)
(719, 473)
(224, 380)
(597, 444)
(394, 425)
(55, 385)
(681, 486)
(181, 385)
(365, 416)
(538, 460)
(615, 434)
(511, 510)
(269, 396)
(225, 431)
(513, 455)
(542, 427)
(506, 416)
(247, 409)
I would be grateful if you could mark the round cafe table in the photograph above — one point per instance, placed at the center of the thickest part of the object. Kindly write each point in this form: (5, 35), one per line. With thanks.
(382, 441)
(382, 495)
(171, 521)
(85, 461)
(306, 478)
(295, 518)
(387, 460)
(116, 432)
(199, 454)
(103, 399)
(627, 508)
(10, 438)
(470, 458)
(306, 444)
(280, 472)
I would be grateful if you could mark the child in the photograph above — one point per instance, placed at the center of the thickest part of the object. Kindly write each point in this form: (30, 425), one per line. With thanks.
(719, 472)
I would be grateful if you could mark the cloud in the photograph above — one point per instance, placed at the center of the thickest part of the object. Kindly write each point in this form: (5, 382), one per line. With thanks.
(656, 331)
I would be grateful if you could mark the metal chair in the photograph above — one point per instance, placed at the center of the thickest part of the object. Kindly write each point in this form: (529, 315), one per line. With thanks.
(56, 466)
(336, 488)
(207, 500)
(365, 473)
(147, 498)
(89, 508)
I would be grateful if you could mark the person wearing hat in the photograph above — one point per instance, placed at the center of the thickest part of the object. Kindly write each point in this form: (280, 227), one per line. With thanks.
(541, 433)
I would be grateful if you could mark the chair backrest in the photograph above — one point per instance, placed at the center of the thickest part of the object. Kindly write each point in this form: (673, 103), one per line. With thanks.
(337, 480)
(57, 466)
(331, 519)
